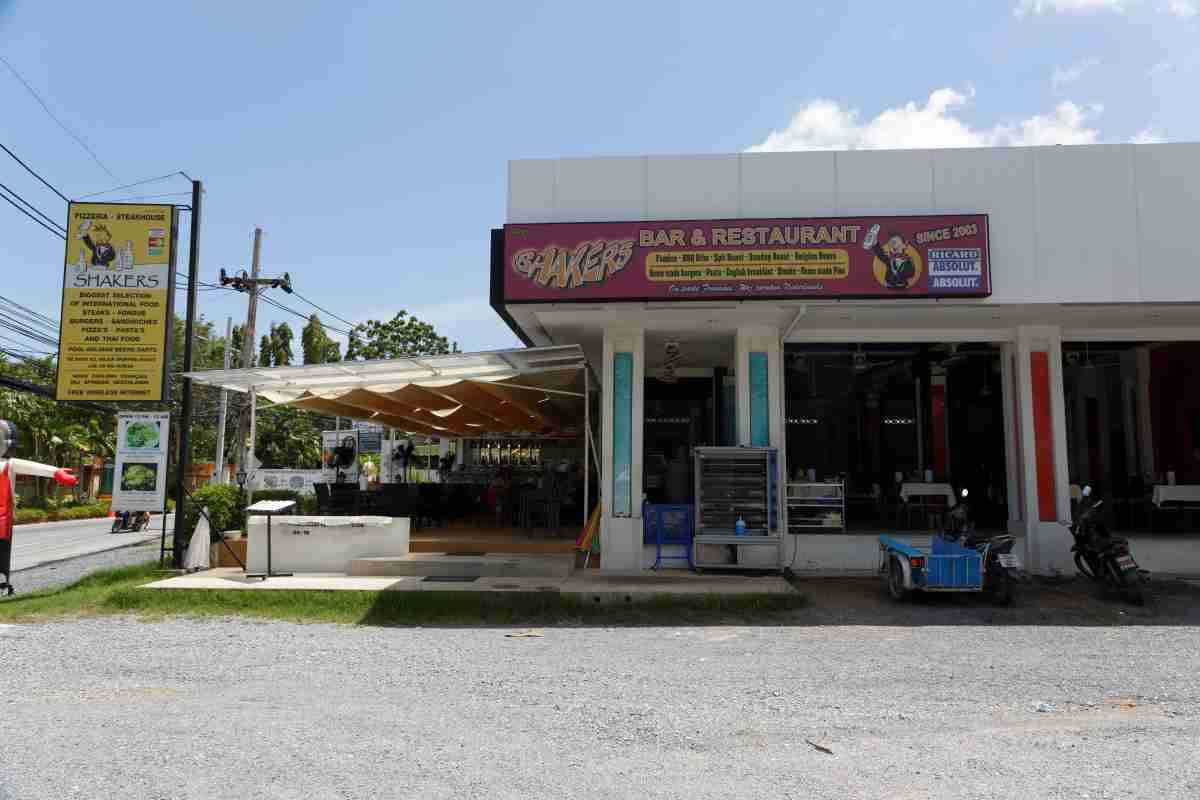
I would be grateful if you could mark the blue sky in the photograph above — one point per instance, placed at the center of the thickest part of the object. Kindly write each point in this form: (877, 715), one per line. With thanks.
(370, 139)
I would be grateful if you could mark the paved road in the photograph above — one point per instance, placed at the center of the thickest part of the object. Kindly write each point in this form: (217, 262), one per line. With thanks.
(231, 709)
(54, 541)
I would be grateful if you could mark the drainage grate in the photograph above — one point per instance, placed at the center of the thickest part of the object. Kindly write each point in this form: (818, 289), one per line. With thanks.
(471, 554)
(506, 586)
(450, 578)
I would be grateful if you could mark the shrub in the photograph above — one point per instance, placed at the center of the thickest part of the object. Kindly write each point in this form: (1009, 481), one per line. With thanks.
(27, 516)
(226, 509)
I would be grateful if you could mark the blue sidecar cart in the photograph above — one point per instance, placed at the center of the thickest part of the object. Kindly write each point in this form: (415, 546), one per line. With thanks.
(942, 566)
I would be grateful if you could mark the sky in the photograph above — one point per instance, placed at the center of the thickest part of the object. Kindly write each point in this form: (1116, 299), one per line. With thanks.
(370, 140)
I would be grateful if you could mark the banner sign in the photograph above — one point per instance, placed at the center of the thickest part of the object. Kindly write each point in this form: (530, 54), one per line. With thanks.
(339, 455)
(118, 283)
(918, 256)
(370, 436)
(296, 480)
(140, 477)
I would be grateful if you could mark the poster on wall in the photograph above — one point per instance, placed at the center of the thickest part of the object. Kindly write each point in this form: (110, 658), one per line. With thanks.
(835, 257)
(118, 282)
(140, 475)
(339, 456)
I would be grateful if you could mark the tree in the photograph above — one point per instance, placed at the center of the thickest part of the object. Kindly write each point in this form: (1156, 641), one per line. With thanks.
(281, 344)
(403, 335)
(289, 438)
(316, 345)
(266, 351)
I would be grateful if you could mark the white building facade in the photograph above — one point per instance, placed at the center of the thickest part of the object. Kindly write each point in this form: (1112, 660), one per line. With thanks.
(1086, 247)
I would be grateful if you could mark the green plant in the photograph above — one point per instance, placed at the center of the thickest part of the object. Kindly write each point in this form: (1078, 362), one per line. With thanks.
(225, 506)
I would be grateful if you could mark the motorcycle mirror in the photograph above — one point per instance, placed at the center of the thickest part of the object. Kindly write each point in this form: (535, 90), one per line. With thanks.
(1087, 491)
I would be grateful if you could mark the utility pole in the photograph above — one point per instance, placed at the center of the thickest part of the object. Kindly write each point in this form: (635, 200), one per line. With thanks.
(251, 289)
(185, 413)
(252, 284)
(219, 473)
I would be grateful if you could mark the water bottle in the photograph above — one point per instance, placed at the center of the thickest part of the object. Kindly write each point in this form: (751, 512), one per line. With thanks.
(740, 527)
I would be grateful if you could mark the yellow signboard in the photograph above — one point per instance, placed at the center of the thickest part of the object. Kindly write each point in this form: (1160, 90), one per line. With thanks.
(117, 301)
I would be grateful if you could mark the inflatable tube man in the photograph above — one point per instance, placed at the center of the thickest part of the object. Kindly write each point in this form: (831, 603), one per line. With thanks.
(10, 468)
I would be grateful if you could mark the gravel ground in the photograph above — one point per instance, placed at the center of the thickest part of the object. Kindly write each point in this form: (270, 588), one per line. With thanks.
(61, 573)
(232, 709)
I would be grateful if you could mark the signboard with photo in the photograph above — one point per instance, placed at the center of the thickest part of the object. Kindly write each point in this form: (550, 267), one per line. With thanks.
(339, 456)
(140, 478)
(118, 280)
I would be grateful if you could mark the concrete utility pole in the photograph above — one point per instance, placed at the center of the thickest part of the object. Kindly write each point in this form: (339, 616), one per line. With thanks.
(252, 284)
(219, 473)
(251, 288)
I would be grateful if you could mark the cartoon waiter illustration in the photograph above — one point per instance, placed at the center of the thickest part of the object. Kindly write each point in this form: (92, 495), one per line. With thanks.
(900, 272)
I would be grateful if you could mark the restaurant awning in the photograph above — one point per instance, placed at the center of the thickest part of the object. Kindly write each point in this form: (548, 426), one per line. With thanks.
(533, 391)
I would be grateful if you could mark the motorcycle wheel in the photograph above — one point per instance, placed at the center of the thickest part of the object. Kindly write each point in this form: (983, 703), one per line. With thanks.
(1083, 567)
(1131, 587)
(116, 528)
(1001, 588)
(895, 580)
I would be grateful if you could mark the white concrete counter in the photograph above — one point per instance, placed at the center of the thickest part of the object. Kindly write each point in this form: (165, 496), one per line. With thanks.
(323, 544)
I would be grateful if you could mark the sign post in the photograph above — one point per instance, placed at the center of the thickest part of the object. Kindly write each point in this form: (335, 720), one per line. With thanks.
(185, 414)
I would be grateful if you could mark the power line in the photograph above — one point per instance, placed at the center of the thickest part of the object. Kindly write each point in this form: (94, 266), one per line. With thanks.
(300, 314)
(30, 311)
(33, 208)
(13, 203)
(149, 197)
(29, 169)
(327, 311)
(50, 113)
(131, 185)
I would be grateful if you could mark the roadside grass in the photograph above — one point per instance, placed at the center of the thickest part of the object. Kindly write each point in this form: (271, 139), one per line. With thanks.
(116, 591)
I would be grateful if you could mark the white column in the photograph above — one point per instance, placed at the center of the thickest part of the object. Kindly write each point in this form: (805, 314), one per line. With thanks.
(621, 536)
(1047, 544)
(760, 339)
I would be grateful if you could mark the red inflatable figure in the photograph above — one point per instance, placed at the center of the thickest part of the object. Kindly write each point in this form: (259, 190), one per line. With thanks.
(10, 468)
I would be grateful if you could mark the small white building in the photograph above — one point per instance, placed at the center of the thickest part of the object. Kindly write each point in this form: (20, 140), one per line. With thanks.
(1025, 323)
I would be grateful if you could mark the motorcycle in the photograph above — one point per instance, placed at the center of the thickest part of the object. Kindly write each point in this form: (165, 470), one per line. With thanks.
(130, 521)
(1001, 567)
(1102, 557)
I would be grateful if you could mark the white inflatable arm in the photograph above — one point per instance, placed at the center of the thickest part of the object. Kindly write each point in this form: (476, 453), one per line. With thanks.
(20, 466)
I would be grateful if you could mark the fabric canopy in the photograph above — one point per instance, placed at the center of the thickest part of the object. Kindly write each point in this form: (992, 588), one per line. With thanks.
(534, 391)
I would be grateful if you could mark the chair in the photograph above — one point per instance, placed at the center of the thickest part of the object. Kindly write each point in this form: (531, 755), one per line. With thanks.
(668, 525)
(429, 506)
(929, 506)
(324, 500)
(541, 506)
(344, 498)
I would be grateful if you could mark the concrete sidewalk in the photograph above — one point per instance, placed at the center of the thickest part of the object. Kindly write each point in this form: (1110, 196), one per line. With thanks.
(583, 583)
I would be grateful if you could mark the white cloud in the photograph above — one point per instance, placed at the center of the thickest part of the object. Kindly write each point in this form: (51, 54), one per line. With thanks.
(1147, 136)
(1158, 69)
(825, 125)
(1184, 9)
(1027, 7)
(1064, 76)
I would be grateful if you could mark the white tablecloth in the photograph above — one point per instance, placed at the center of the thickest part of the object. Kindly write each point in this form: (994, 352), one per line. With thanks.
(928, 490)
(1176, 494)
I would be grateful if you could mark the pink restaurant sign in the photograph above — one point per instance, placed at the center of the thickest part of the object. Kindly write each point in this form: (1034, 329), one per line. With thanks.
(830, 257)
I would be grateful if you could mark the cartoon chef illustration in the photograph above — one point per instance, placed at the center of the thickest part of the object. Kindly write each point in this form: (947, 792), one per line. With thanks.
(900, 270)
(10, 468)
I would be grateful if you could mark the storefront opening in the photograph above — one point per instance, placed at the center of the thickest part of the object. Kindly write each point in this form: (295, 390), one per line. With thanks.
(891, 421)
